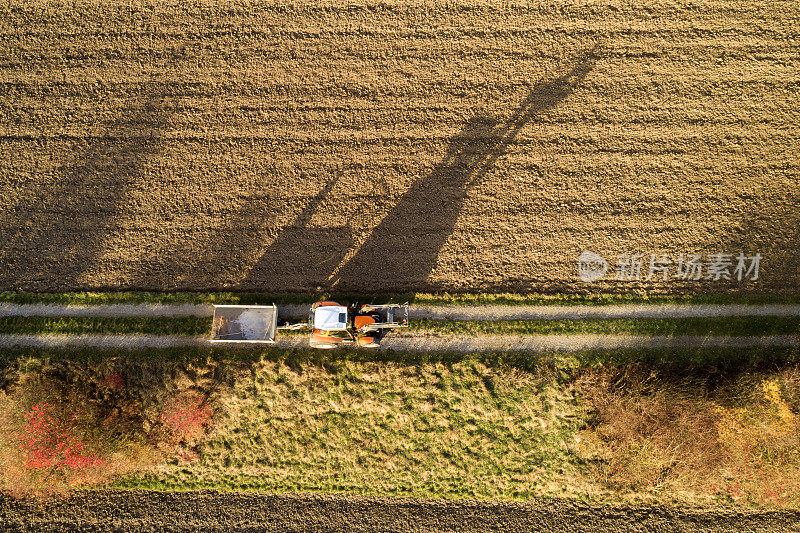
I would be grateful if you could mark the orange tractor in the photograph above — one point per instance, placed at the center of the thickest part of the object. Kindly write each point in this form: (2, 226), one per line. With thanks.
(333, 324)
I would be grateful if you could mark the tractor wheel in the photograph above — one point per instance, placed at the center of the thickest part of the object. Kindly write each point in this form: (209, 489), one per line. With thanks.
(368, 342)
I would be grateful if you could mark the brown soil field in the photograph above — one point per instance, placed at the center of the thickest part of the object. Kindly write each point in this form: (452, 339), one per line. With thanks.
(219, 511)
(394, 146)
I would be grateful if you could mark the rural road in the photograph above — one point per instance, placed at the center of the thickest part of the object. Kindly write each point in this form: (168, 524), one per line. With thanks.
(419, 342)
(441, 312)
(218, 511)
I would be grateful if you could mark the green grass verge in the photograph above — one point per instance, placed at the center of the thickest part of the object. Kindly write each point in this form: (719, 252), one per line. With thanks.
(440, 425)
(757, 326)
(106, 326)
(466, 428)
(202, 326)
(682, 361)
(461, 431)
(139, 297)
(230, 297)
(602, 299)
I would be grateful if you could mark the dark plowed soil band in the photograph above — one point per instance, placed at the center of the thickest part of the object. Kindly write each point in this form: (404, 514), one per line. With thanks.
(207, 510)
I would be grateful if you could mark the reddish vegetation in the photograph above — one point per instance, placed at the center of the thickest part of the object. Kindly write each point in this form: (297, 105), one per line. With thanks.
(185, 418)
(54, 439)
(114, 381)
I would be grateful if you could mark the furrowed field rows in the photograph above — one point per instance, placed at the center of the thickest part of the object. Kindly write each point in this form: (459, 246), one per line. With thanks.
(138, 510)
(368, 148)
(358, 125)
(672, 46)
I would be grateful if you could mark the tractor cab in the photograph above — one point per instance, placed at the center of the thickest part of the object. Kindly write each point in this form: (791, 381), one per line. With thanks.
(328, 322)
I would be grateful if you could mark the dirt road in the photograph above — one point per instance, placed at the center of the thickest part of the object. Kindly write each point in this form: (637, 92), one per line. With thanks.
(419, 342)
(214, 511)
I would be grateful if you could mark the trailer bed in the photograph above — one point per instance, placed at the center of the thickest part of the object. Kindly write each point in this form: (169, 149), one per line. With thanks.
(244, 323)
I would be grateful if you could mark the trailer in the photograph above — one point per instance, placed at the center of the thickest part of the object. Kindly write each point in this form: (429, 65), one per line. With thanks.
(330, 323)
(244, 324)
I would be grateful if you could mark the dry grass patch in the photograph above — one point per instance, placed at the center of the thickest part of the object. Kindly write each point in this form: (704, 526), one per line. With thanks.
(461, 430)
(685, 440)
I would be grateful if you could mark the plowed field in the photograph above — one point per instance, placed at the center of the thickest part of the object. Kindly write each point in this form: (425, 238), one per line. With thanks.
(394, 146)
(215, 511)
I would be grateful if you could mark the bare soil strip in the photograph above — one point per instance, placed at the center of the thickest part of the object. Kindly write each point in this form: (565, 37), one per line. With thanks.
(419, 342)
(220, 511)
(443, 312)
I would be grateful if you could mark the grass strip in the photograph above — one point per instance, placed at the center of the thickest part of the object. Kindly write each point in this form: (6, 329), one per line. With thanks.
(744, 298)
(105, 326)
(246, 298)
(385, 429)
(683, 361)
(139, 297)
(747, 326)
(457, 430)
(440, 425)
(443, 426)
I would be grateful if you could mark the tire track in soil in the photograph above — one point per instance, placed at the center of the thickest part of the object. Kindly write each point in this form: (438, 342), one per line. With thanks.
(235, 511)
(106, 310)
(580, 312)
(419, 342)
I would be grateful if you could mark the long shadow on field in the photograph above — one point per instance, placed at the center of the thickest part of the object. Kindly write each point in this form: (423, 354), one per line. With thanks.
(403, 249)
(303, 255)
(58, 233)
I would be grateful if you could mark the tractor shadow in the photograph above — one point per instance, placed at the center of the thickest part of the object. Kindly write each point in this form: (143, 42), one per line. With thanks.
(402, 250)
(59, 231)
(302, 256)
